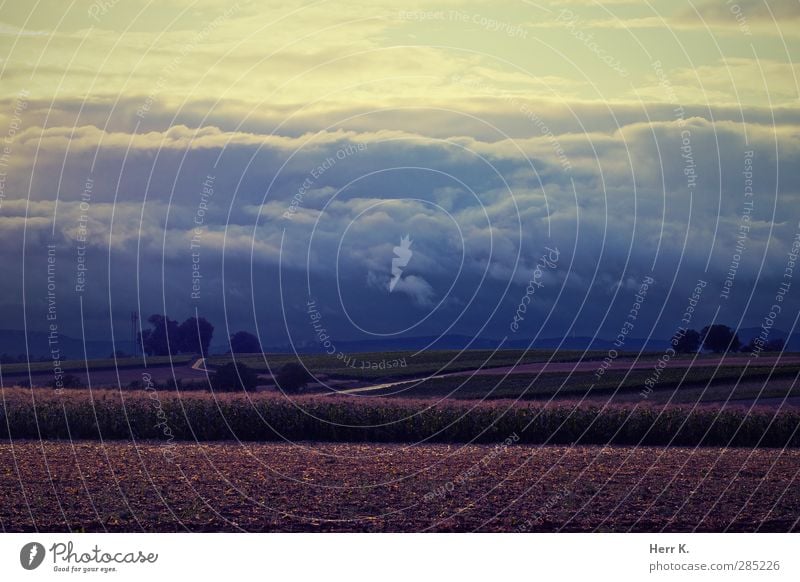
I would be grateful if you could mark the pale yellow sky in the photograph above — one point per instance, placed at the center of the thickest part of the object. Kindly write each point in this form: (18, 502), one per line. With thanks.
(327, 56)
(617, 129)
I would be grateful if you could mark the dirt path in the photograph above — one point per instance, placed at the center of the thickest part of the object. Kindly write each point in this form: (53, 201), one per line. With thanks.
(200, 364)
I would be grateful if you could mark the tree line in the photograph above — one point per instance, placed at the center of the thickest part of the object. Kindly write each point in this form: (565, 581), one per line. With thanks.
(720, 338)
(167, 337)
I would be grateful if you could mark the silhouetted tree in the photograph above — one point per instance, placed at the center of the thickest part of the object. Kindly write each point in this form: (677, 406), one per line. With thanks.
(773, 345)
(720, 338)
(244, 342)
(164, 337)
(688, 343)
(234, 377)
(292, 377)
(195, 336)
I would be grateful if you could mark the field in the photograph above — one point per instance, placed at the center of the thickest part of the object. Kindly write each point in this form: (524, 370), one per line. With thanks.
(583, 384)
(86, 486)
(107, 373)
(102, 364)
(375, 365)
(536, 374)
(528, 447)
(109, 415)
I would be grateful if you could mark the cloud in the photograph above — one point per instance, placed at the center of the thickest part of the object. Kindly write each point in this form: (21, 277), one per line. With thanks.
(773, 11)
(330, 133)
(418, 289)
(10, 30)
(478, 228)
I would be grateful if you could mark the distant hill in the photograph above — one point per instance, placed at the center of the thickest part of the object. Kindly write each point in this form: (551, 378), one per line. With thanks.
(792, 343)
(12, 342)
(460, 342)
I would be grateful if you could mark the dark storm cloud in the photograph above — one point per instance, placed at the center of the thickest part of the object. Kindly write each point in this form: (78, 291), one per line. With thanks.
(326, 209)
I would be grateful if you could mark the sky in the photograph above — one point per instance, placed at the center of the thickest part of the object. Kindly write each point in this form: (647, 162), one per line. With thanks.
(507, 170)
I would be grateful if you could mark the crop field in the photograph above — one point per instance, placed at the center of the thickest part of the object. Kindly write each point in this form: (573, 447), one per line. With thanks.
(89, 486)
(580, 384)
(527, 452)
(101, 364)
(565, 374)
(776, 392)
(409, 364)
(374, 365)
(155, 415)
